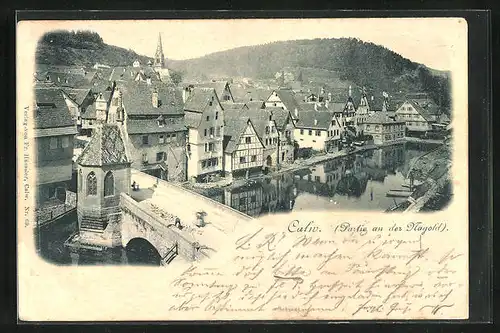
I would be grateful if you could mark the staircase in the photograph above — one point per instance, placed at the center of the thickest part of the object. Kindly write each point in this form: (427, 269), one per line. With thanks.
(171, 254)
(93, 224)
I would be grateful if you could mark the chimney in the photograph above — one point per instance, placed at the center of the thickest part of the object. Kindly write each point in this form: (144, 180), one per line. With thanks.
(315, 106)
(326, 103)
(154, 99)
(372, 98)
(315, 122)
(330, 96)
(296, 113)
(119, 98)
(350, 91)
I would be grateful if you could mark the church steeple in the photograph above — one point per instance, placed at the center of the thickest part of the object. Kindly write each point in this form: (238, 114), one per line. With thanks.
(159, 60)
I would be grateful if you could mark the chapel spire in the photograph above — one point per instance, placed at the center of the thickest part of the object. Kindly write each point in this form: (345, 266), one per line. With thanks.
(159, 60)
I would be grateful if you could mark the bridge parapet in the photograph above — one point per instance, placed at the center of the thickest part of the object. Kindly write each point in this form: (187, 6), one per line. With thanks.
(137, 221)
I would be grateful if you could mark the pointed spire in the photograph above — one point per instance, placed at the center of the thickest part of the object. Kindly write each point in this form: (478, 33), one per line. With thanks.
(159, 60)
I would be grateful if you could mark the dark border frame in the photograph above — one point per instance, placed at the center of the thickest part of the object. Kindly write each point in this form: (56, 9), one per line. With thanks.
(480, 139)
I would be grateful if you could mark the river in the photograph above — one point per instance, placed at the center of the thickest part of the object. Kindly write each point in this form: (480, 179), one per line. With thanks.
(355, 182)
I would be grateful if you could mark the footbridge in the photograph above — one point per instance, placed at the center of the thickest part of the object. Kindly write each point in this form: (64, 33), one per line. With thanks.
(168, 217)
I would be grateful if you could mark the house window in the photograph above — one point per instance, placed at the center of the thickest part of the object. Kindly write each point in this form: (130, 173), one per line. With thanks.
(208, 117)
(91, 184)
(216, 115)
(211, 146)
(310, 132)
(242, 201)
(159, 156)
(316, 178)
(254, 158)
(161, 139)
(205, 132)
(318, 133)
(242, 159)
(65, 141)
(248, 139)
(287, 134)
(145, 157)
(109, 184)
(217, 131)
(145, 139)
(161, 122)
(273, 129)
(203, 164)
(174, 136)
(253, 198)
(53, 143)
(267, 129)
(211, 131)
(206, 147)
(189, 148)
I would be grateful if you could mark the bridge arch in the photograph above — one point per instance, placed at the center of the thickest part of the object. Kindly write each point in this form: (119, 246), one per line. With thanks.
(141, 252)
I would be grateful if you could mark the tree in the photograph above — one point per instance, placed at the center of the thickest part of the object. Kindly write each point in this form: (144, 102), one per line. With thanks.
(176, 77)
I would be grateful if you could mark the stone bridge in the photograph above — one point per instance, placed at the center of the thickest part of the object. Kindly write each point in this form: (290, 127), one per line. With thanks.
(153, 219)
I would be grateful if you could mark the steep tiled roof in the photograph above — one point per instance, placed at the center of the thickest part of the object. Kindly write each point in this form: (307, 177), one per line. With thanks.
(77, 95)
(52, 110)
(383, 118)
(144, 126)
(90, 112)
(280, 116)
(218, 86)
(199, 99)
(68, 79)
(314, 120)
(233, 106)
(137, 99)
(105, 147)
(255, 104)
(249, 94)
(288, 98)
(232, 133)
(306, 107)
(427, 109)
(129, 73)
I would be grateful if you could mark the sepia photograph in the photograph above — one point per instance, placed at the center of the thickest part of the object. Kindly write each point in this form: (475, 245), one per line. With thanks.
(157, 143)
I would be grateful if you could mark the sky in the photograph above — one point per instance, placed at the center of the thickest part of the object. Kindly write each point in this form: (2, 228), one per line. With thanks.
(424, 40)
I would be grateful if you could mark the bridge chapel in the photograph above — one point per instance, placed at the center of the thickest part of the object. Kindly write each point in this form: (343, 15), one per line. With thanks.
(103, 173)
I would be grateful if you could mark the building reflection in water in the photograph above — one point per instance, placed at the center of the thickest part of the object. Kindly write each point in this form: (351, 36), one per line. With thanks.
(348, 178)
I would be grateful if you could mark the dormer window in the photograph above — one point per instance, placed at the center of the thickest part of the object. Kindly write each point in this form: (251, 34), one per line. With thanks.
(161, 121)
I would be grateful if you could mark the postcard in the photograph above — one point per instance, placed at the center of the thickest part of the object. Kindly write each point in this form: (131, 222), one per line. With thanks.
(242, 169)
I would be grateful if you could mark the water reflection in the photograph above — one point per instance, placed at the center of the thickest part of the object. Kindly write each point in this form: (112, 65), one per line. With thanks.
(355, 182)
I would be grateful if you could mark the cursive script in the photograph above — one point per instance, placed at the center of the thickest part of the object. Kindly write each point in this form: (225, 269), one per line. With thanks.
(311, 270)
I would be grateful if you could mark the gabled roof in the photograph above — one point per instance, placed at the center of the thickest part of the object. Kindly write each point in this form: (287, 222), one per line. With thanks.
(288, 98)
(106, 147)
(199, 99)
(52, 110)
(314, 120)
(76, 95)
(218, 86)
(250, 94)
(232, 133)
(89, 112)
(383, 118)
(234, 126)
(137, 99)
(427, 109)
(255, 104)
(279, 115)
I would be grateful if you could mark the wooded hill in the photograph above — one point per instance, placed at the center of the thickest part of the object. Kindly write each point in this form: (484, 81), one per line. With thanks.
(82, 48)
(366, 64)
